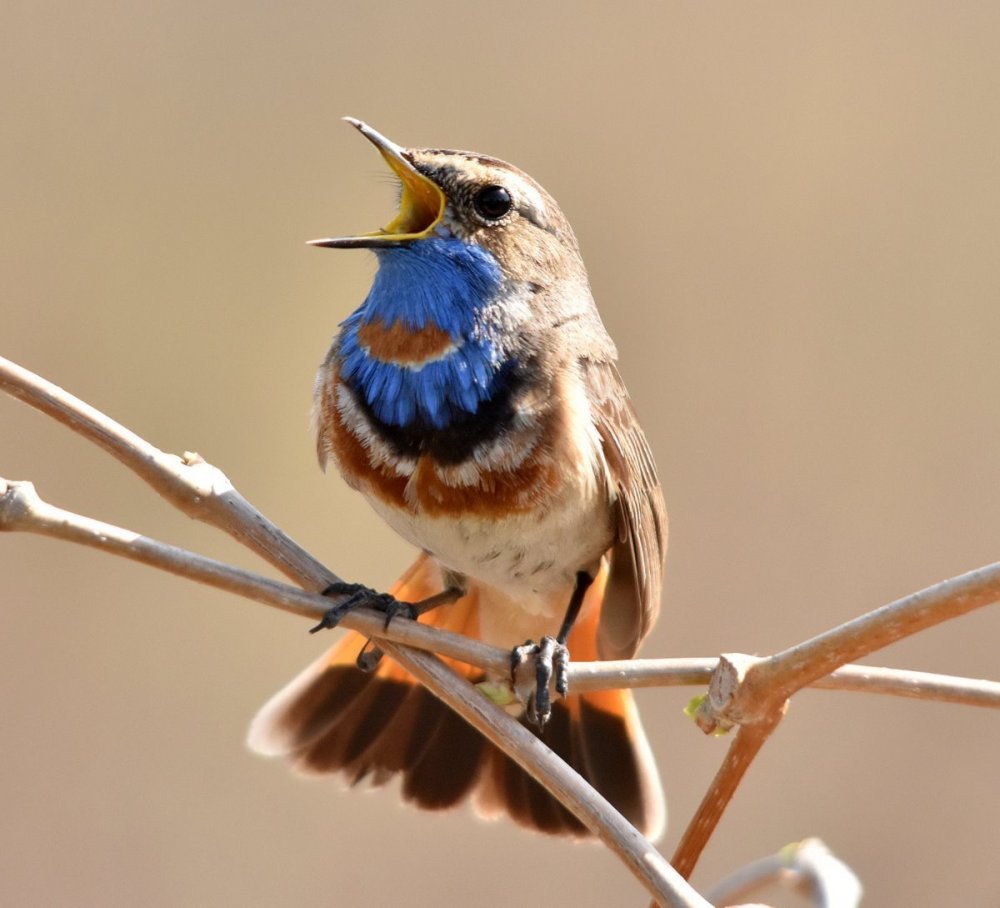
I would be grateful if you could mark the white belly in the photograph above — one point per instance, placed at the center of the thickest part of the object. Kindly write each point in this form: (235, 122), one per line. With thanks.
(525, 565)
(524, 553)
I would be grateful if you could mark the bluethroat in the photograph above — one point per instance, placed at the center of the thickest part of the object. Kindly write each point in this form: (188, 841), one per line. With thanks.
(475, 401)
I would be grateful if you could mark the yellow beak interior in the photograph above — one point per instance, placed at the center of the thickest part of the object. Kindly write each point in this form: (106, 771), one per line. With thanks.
(421, 203)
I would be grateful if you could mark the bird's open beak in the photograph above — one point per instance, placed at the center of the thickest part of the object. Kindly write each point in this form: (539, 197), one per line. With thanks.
(421, 203)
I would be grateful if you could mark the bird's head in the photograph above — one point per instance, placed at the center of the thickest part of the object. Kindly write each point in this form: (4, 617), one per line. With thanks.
(477, 200)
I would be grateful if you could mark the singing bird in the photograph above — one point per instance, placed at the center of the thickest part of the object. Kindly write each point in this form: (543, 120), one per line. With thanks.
(474, 400)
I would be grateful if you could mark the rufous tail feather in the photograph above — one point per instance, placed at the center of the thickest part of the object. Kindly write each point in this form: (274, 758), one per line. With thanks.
(334, 718)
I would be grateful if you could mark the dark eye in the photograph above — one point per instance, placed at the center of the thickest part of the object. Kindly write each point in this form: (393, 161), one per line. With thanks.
(492, 202)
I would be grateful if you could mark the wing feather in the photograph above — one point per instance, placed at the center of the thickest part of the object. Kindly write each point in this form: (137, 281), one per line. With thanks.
(632, 600)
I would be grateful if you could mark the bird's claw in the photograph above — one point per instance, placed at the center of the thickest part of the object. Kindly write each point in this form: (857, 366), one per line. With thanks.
(369, 658)
(395, 609)
(551, 664)
(360, 596)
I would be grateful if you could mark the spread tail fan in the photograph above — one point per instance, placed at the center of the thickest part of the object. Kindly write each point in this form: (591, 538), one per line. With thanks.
(335, 718)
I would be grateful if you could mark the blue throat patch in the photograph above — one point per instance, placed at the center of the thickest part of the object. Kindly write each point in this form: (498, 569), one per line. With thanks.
(440, 282)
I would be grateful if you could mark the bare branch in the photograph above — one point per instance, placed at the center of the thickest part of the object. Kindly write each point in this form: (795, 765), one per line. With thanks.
(22, 510)
(746, 745)
(899, 682)
(189, 483)
(752, 692)
(746, 691)
(808, 865)
(896, 682)
(642, 858)
(218, 504)
(769, 681)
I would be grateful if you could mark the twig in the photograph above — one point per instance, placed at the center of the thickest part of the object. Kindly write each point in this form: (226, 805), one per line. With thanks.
(189, 483)
(751, 692)
(645, 862)
(747, 691)
(22, 510)
(896, 682)
(798, 666)
(746, 745)
(228, 511)
(808, 864)
(749, 688)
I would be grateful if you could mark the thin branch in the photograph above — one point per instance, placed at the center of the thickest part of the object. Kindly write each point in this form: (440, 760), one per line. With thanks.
(808, 864)
(899, 682)
(200, 490)
(227, 510)
(642, 858)
(896, 682)
(746, 691)
(752, 692)
(794, 668)
(22, 510)
(741, 753)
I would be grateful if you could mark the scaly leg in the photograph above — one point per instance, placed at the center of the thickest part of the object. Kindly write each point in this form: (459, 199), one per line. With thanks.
(551, 657)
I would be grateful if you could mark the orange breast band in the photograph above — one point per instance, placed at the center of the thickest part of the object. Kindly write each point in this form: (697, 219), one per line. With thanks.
(396, 343)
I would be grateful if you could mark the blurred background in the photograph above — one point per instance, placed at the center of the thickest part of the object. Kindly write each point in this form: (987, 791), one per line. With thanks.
(790, 214)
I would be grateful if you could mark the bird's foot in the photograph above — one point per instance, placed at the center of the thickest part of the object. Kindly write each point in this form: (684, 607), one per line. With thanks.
(551, 660)
(361, 596)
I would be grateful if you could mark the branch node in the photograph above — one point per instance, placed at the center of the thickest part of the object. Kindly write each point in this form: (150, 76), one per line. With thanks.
(18, 499)
(736, 695)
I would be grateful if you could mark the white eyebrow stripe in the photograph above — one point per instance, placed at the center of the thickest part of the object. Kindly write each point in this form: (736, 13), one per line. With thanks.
(531, 205)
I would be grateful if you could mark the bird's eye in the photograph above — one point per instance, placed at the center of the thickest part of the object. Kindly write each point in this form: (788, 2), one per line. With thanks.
(492, 202)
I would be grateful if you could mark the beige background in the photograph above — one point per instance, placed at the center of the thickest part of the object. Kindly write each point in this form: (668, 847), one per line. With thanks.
(790, 215)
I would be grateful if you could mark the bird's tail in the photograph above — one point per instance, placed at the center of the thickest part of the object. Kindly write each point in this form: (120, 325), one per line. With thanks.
(372, 726)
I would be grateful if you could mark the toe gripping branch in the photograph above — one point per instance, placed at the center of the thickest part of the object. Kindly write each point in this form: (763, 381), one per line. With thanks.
(551, 658)
(361, 596)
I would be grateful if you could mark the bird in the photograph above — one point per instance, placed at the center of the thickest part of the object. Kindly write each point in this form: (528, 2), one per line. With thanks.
(474, 400)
